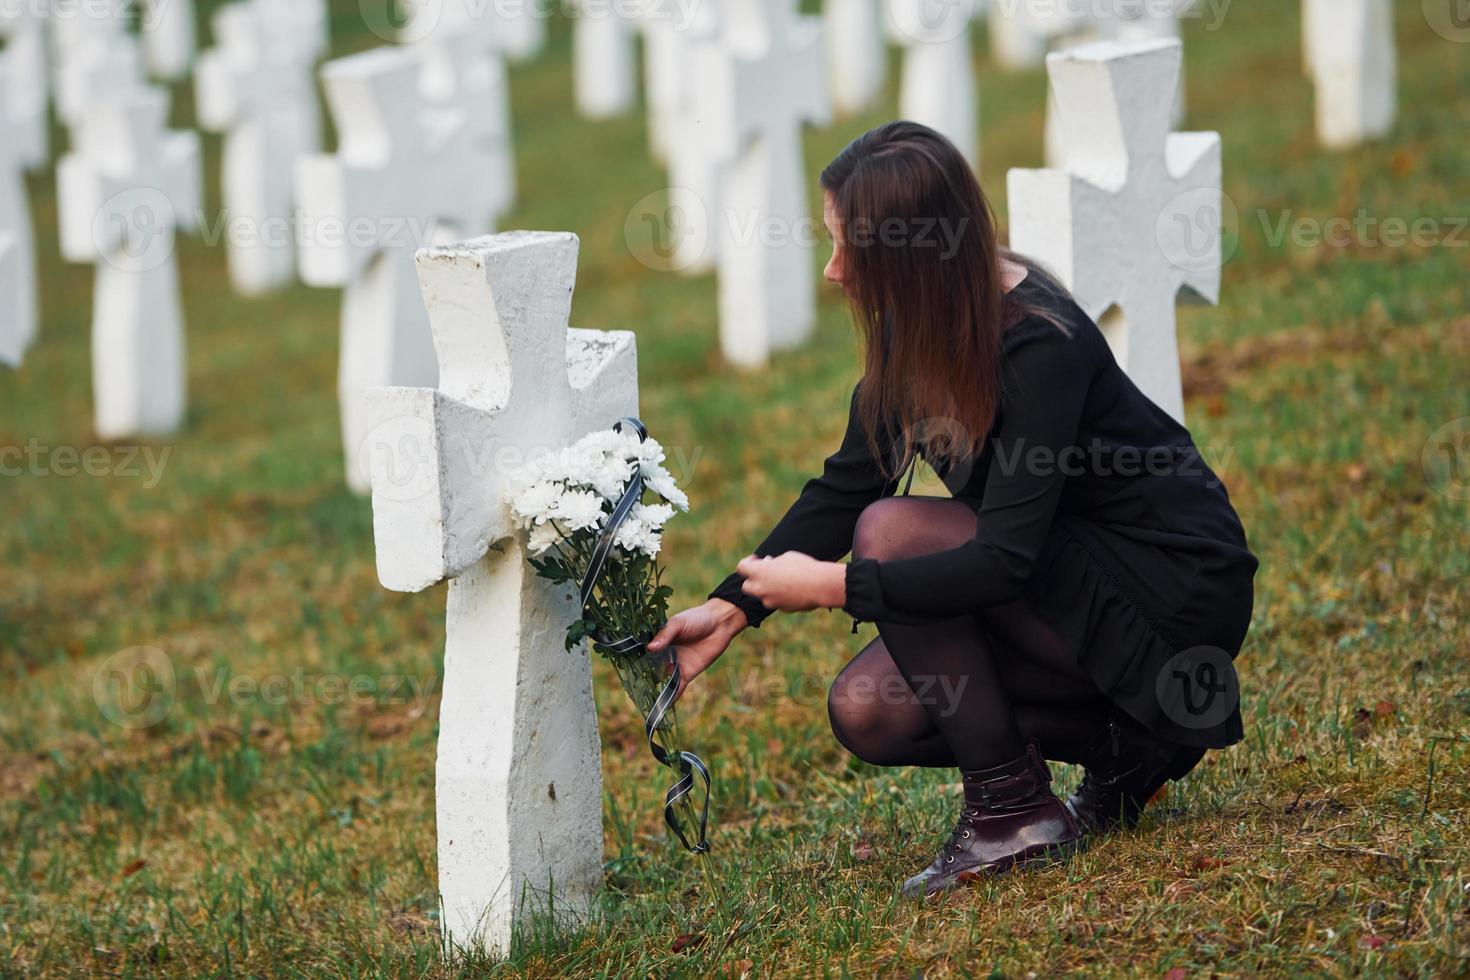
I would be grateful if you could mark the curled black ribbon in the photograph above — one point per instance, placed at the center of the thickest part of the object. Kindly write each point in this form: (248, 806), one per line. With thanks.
(686, 764)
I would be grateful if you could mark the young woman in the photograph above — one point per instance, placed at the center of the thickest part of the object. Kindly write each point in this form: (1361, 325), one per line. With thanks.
(1082, 594)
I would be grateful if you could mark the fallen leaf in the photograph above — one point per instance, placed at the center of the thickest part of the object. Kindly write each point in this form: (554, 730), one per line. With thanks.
(133, 867)
(1402, 163)
(862, 851)
(1206, 863)
(1385, 709)
(1177, 973)
(1372, 942)
(739, 968)
(406, 922)
(687, 942)
(1357, 473)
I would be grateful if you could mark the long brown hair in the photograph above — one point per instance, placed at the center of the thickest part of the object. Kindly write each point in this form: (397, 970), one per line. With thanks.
(924, 282)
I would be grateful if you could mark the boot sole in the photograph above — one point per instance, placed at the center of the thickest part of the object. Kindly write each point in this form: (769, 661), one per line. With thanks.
(1054, 855)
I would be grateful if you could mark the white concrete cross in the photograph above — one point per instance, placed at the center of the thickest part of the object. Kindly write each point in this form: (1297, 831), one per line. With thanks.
(167, 28)
(1123, 20)
(1349, 51)
(673, 74)
(18, 319)
(518, 780)
(11, 347)
(99, 68)
(938, 86)
(857, 65)
(258, 87)
(1134, 221)
(24, 69)
(517, 30)
(125, 189)
(416, 163)
(762, 80)
(604, 68)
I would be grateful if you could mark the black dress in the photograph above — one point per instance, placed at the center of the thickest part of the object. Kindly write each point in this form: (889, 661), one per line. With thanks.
(1094, 506)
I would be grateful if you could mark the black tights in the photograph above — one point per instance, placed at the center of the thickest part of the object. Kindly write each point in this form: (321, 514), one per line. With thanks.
(961, 692)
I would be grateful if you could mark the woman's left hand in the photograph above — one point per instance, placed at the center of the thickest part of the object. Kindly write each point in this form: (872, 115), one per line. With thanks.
(794, 582)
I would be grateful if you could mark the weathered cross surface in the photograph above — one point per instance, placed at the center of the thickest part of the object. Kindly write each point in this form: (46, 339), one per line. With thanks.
(18, 319)
(518, 780)
(124, 191)
(938, 86)
(1348, 46)
(418, 162)
(258, 87)
(23, 71)
(1123, 20)
(98, 66)
(1133, 223)
(763, 79)
(857, 65)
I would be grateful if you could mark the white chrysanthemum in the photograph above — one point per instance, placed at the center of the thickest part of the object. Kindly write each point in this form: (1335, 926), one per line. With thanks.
(612, 477)
(649, 452)
(654, 515)
(535, 504)
(579, 509)
(634, 535)
(543, 536)
(661, 482)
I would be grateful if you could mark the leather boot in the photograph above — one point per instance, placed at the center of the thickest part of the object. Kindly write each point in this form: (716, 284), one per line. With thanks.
(1126, 766)
(1011, 817)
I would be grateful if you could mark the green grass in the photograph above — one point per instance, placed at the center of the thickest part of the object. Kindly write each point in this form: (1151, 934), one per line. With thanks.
(268, 835)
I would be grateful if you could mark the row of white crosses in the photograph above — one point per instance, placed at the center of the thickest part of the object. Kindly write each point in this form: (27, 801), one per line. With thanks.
(424, 156)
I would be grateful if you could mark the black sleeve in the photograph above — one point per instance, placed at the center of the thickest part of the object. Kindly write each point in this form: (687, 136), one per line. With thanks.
(1045, 384)
(820, 522)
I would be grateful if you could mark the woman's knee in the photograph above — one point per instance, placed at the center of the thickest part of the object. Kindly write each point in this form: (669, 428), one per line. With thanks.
(866, 714)
(903, 527)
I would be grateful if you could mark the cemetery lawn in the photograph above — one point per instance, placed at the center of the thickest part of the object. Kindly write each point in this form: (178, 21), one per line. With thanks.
(279, 818)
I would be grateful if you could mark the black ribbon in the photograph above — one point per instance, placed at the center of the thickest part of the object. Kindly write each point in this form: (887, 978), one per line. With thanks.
(686, 764)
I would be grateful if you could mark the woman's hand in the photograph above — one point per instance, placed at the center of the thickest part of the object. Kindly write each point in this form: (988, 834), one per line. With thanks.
(699, 635)
(794, 582)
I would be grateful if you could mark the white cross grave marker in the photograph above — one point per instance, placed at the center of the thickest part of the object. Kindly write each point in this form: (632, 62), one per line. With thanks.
(416, 163)
(1349, 49)
(762, 80)
(604, 68)
(857, 65)
(98, 68)
(1133, 222)
(18, 281)
(938, 86)
(167, 28)
(125, 189)
(24, 70)
(1123, 20)
(518, 781)
(259, 88)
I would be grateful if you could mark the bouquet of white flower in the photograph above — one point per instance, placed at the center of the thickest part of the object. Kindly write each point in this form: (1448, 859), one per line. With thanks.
(588, 525)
